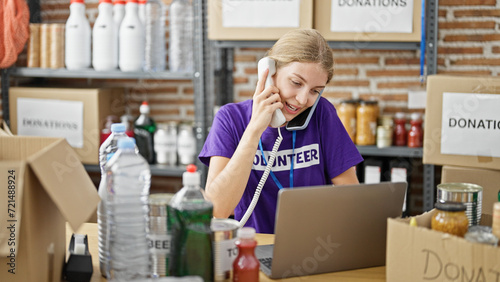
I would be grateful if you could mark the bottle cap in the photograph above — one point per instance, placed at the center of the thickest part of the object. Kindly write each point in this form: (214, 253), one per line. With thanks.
(143, 1)
(415, 116)
(144, 108)
(77, 1)
(191, 177)
(400, 115)
(132, 1)
(118, 127)
(120, 2)
(246, 232)
(105, 1)
(126, 143)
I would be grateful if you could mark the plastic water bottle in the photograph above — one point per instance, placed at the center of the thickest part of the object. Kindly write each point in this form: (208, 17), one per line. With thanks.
(129, 179)
(155, 53)
(77, 37)
(106, 151)
(188, 218)
(131, 39)
(105, 39)
(144, 130)
(181, 36)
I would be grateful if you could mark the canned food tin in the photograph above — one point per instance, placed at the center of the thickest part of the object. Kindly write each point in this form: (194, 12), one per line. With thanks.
(159, 235)
(469, 194)
(225, 250)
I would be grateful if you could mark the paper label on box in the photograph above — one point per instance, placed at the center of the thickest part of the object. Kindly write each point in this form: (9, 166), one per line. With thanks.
(51, 118)
(470, 124)
(372, 16)
(260, 13)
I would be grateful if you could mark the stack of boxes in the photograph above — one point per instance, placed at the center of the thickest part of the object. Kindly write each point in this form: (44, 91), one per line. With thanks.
(462, 134)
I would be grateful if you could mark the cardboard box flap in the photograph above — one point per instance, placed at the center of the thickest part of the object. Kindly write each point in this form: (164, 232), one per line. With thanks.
(11, 175)
(20, 148)
(65, 180)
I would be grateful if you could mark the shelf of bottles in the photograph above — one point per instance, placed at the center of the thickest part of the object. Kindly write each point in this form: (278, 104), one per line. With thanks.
(393, 151)
(156, 170)
(91, 73)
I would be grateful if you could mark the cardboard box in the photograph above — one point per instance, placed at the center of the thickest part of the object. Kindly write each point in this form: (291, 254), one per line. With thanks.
(44, 185)
(422, 254)
(367, 21)
(486, 178)
(256, 20)
(78, 115)
(462, 121)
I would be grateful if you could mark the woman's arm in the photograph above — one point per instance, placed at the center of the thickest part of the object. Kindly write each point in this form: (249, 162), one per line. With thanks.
(227, 178)
(347, 177)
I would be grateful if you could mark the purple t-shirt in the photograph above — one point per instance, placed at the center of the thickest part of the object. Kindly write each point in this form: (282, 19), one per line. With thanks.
(322, 151)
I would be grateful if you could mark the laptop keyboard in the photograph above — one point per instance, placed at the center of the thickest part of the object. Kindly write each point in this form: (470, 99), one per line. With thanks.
(266, 262)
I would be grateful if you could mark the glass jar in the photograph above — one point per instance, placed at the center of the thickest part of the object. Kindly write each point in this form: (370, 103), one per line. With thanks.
(450, 218)
(384, 136)
(416, 134)
(399, 136)
(366, 124)
(347, 114)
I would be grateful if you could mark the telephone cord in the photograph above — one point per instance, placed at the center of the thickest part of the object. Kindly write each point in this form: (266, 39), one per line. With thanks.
(263, 179)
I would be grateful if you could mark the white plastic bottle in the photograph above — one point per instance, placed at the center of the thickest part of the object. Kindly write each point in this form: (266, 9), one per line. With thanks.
(131, 39)
(141, 10)
(181, 36)
(155, 51)
(77, 37)
(107, 149)
(105, 39)
(129, 176)
(118, 12)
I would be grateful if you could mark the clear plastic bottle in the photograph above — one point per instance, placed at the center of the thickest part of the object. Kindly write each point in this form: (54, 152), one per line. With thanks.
(188, 217)
(246, 265)
(144, 130)
(77, 37)
(154, 23)
(129, 180)
(131, 39)
(105, 39)
(180, 55)
(106, 151)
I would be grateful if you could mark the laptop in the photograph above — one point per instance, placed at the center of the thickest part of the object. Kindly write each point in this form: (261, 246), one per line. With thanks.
(329, 228)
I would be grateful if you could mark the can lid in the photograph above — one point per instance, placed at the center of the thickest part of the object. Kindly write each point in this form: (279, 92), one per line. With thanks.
(450, 206)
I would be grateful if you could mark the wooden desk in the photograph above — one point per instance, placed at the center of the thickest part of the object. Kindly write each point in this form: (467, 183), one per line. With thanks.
(365, 274)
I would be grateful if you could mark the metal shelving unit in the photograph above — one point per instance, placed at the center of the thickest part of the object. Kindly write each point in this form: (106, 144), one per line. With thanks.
(203, 98)
(224, 83)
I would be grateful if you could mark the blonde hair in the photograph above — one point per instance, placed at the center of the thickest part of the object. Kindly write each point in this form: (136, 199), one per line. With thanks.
(303, 45)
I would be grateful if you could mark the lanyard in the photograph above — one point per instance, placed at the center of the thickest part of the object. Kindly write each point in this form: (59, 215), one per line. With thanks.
(294, 133)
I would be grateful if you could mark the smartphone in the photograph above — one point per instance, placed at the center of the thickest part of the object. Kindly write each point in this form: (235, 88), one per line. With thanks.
(301, 121)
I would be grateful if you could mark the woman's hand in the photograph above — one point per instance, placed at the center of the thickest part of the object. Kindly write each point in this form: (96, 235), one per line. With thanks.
(265, 102)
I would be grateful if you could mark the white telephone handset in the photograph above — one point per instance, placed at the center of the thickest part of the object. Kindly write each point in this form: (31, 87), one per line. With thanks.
(278, 118)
